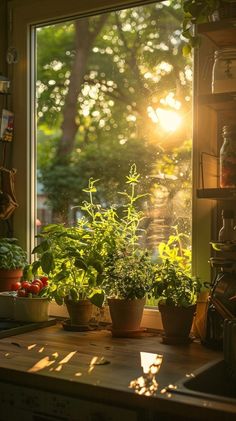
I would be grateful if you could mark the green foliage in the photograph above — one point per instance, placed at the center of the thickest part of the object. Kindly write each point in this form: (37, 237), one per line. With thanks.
(12, 255)
(69, 256)
(100, 253)
(195, 12)
(128, 270)
(173, 284)
(124, 76)
(177, 251)
(128, 276)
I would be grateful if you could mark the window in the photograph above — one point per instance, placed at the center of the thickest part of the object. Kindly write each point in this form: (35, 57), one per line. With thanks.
(31, 17)
(114, 89)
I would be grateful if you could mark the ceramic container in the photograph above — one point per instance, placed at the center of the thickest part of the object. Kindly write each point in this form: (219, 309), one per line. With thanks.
(6, 305)
(31, 309)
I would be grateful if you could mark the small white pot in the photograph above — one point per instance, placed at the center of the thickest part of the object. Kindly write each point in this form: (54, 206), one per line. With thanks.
(31, 309)
(6, 305)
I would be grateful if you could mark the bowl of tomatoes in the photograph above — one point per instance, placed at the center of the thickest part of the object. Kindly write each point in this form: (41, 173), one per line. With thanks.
(31, 303)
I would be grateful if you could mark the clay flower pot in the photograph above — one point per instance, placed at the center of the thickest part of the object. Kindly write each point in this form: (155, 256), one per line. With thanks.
(8, 277)
(80, 312)
(177, 323)
(126, 315)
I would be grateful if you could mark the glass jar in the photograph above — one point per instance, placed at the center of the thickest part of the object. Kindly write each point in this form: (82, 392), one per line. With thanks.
(228, 157)
(227, 232)
(224, 71)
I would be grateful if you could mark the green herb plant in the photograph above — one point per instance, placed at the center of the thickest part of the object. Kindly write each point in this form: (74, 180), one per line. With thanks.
(101, 254)
(174, 285)
(12, 255)
(128, 269)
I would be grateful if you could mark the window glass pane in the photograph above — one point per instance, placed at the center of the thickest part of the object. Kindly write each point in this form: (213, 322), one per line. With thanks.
(113, 90)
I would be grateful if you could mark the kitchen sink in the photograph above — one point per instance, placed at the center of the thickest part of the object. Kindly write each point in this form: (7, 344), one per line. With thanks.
(211, 381)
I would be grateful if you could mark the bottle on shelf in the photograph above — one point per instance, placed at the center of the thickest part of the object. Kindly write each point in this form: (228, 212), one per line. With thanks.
(227, 231)
(228, 157)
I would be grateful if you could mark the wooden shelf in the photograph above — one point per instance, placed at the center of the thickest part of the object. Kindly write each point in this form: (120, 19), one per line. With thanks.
(222, 33)
(217, 193)
(219, 102)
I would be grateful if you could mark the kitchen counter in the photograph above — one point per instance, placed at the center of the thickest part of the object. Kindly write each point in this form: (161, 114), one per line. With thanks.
(90, 370)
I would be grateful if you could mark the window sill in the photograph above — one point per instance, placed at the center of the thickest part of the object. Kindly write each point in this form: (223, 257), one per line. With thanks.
(151, 317)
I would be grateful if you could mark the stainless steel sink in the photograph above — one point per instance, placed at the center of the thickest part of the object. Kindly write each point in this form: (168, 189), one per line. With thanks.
(211, 381)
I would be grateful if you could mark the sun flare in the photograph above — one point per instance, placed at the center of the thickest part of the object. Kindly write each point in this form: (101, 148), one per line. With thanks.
(169, 120)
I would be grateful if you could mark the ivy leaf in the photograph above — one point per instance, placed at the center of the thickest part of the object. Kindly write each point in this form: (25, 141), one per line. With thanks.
(186, 50)
(47, 262)
(58, 299)
(35, 266)
(97, 299)
(43, 246)
(80, 264)
(73, 294)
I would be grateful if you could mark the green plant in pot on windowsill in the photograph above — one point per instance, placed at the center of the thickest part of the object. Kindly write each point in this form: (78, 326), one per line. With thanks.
(176, 290)
(128, 270)
(69, 256)
(128, 276)
(13, 259)
(202, 11)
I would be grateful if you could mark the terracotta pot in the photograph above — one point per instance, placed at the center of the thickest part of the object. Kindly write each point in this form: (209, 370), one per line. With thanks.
(177, 323)
(126, 315)
(31, 309)
(80, 312)
(8, 277)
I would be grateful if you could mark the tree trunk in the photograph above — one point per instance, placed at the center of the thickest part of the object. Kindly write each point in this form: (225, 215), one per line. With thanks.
(84, 39)
(79, 66)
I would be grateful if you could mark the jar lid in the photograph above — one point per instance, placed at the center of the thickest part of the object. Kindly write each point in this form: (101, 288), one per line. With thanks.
(227, 213)
(229, 129)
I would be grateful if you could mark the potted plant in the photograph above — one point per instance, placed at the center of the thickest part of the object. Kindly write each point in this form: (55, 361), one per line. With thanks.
(128, 276)
(128, 270)
(69, 257)
(201, 11)
(176, 290)
(99, 256)
(13, 259)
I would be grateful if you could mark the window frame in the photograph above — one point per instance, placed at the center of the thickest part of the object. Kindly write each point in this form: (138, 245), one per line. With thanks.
(23, 16)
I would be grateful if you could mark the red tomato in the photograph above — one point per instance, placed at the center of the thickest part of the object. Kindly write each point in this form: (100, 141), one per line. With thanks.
(38, 282)
(21, 293)
(34, 288)
(15, 286)
(44, 280)
(25, 285)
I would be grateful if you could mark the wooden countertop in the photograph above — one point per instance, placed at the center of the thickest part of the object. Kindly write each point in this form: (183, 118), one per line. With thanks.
(95, 366)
